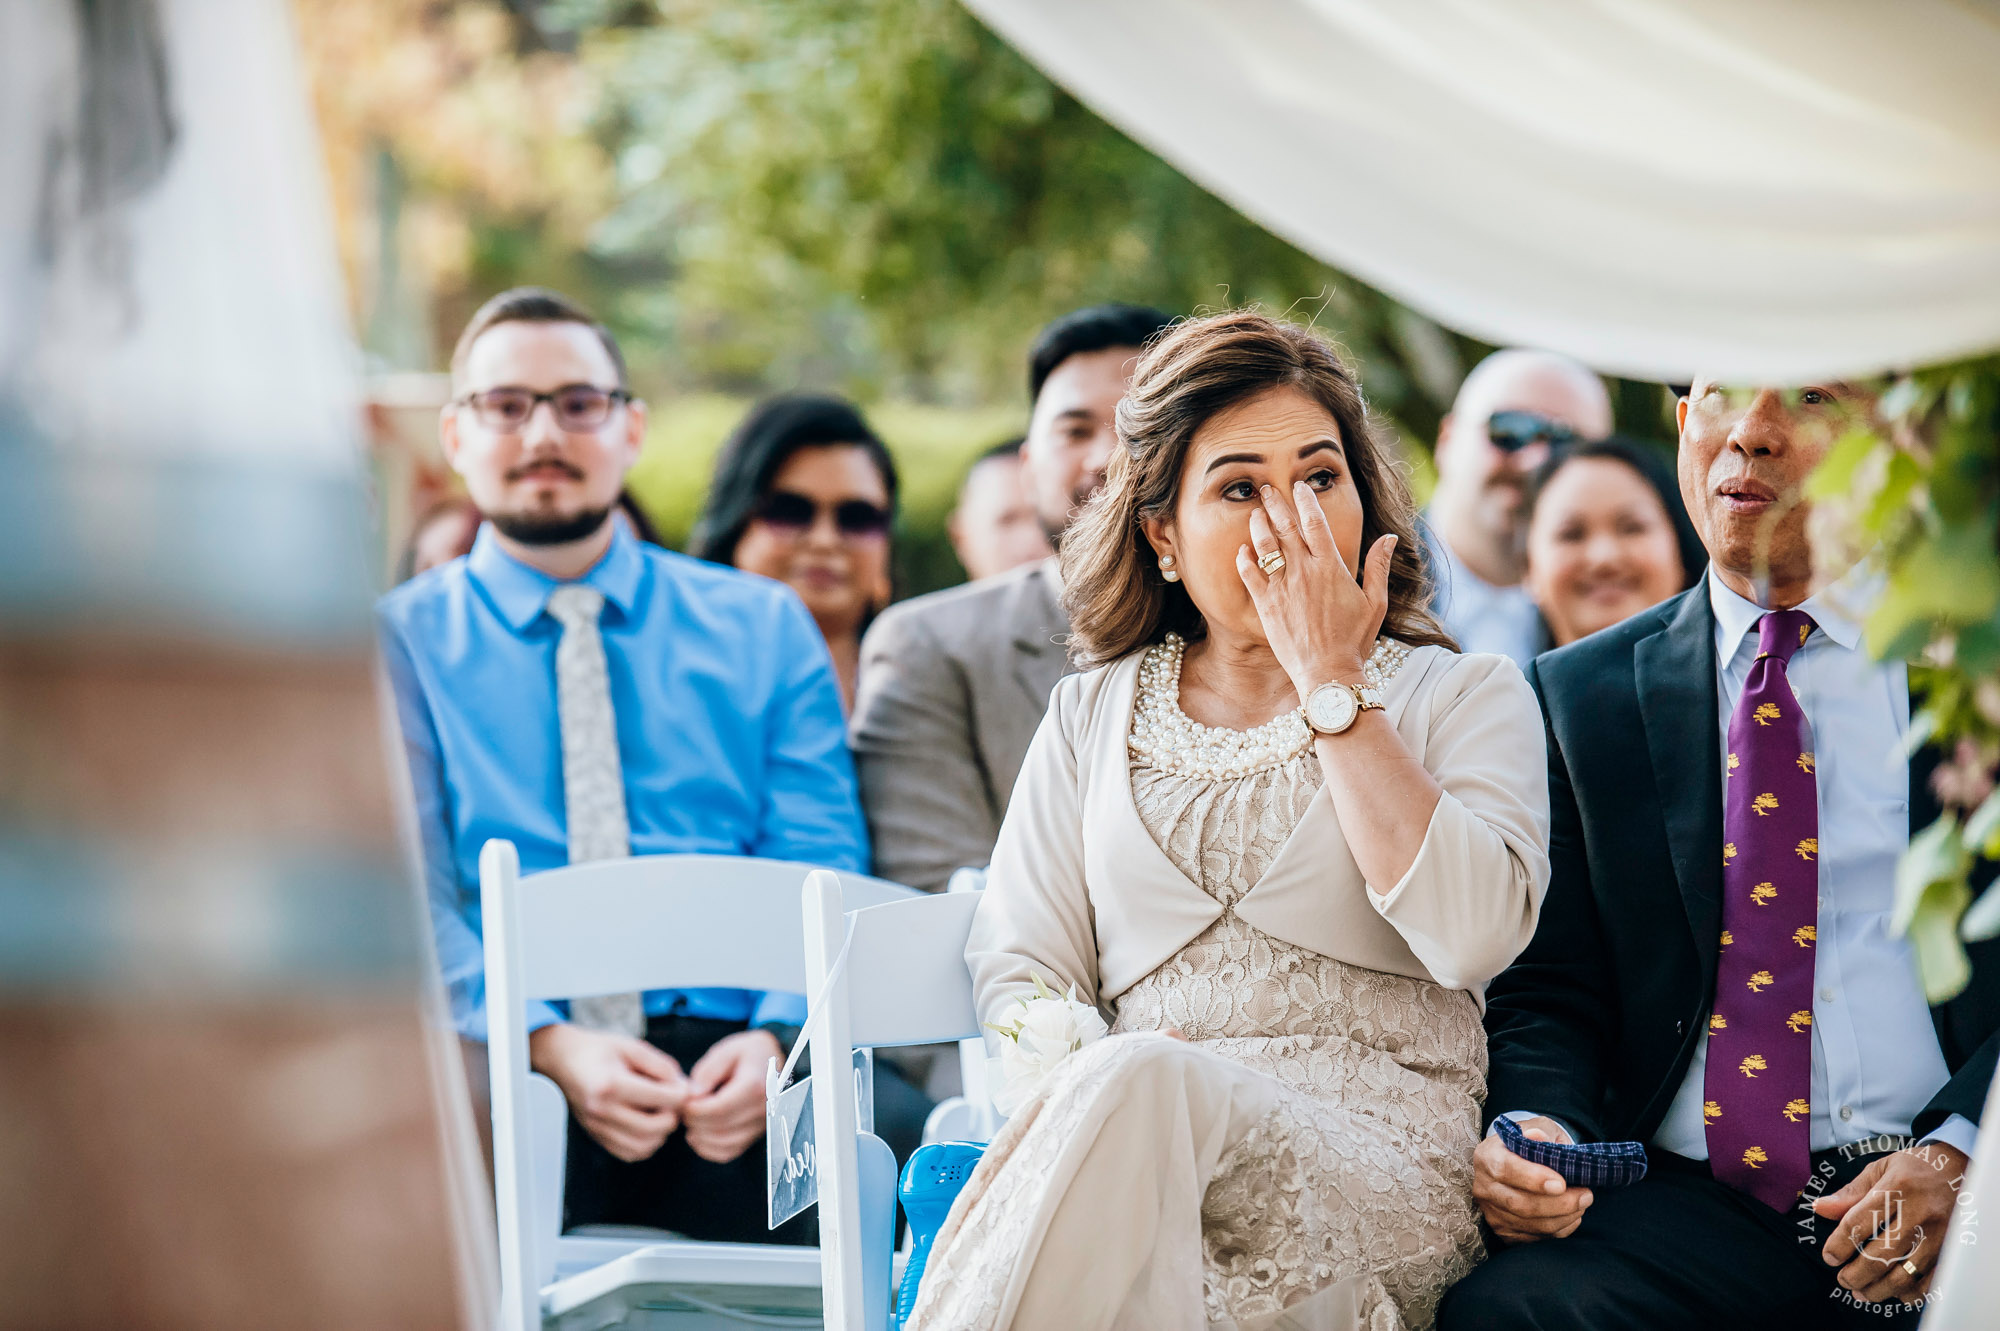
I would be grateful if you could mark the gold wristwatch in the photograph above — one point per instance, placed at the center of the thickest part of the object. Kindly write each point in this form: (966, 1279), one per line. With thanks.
(1331, 708)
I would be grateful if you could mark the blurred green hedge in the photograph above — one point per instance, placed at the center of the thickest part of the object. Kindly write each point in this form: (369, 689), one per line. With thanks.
(932, 446)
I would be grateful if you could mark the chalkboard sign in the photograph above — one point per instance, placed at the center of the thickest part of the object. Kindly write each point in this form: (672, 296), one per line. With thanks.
(791, 1165)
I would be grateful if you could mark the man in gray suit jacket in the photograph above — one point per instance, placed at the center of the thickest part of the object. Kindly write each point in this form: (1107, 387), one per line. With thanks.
(954, 684)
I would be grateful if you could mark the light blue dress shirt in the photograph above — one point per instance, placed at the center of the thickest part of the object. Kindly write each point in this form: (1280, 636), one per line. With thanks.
(1484, 618)
(1876, 1061)
(730, 733)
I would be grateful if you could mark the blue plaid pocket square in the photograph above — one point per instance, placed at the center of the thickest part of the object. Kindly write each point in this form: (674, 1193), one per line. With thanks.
(1589, 1165)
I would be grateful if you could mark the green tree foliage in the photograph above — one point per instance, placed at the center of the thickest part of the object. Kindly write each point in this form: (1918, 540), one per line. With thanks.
(1924, 490)
(882, 196)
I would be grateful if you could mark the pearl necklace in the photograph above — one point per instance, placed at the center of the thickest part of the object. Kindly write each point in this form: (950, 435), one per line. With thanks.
(1172, 741)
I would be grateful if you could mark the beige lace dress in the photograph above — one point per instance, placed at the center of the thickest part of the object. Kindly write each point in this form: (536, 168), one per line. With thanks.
(1317, 1126)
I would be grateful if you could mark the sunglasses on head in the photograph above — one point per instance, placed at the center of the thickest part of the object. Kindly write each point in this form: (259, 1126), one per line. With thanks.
(790, 511)
(1512, 431)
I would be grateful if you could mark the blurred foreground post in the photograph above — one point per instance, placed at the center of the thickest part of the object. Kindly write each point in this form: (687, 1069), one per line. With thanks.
(220, 1080)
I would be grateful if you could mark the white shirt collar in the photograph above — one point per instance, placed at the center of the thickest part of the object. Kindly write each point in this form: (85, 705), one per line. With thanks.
(1052, 570)
(1837, 608)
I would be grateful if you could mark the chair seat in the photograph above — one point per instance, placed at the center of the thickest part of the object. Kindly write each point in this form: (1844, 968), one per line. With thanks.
(764, 1279)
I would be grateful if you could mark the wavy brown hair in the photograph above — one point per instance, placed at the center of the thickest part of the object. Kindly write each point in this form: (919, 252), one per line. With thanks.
(1112, 588)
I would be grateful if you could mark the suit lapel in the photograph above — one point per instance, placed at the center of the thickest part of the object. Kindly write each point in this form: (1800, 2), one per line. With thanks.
(1675, 673)
(1039, 660)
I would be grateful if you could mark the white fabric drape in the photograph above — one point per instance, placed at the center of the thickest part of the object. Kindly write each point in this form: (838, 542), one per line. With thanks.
(1771, 191)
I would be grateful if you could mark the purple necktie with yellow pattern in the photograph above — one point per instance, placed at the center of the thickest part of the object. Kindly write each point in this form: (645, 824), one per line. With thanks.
(1758, 1101)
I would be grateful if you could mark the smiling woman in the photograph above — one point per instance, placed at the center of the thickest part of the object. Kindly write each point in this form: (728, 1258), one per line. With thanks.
(1607, 537)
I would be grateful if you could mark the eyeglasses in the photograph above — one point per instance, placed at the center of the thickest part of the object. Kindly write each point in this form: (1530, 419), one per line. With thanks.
(579, 408)
(789, 511)
(1512, 431)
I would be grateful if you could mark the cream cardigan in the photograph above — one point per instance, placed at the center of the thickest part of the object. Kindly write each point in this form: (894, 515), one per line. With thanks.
(1081, 894)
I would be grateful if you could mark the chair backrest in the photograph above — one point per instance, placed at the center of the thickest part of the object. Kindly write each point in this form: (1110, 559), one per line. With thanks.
(973, 1117)
(658, 921)
(615, 926)
(904, 981)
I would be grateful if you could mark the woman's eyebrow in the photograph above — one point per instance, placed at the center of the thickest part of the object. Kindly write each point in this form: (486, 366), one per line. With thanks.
(1227, 458)
(1254, 458)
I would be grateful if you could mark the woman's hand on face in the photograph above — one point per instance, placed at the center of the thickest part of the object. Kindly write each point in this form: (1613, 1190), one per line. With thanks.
(1320, 622)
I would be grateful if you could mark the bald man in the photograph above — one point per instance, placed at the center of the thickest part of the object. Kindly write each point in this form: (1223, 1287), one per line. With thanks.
(1513, 408)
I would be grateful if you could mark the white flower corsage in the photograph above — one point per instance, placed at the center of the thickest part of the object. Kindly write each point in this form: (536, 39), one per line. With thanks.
(1046, 1029)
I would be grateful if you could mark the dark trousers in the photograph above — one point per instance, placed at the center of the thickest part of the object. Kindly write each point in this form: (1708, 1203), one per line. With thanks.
(678, 1190)
(1676, 1250)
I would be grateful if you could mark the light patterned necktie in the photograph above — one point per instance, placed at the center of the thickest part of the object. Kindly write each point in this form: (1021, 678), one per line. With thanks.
(593, 779)
(1758, 1084)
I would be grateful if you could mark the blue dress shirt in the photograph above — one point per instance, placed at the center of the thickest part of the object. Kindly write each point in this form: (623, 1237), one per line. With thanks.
(730, 733)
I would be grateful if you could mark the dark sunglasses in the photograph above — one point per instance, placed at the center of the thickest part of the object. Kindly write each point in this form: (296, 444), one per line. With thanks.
(579, 407)
(790, 511)
(1512, 431)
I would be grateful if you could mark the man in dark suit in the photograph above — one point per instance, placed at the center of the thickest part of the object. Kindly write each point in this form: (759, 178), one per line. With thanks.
(1715, 973)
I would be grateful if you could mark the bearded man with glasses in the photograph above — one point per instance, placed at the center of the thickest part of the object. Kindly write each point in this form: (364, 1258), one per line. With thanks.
(1512, 410)
(589, 696)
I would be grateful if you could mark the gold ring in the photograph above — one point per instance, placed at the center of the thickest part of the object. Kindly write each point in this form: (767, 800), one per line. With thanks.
(1271, 562)
(1910, 1268)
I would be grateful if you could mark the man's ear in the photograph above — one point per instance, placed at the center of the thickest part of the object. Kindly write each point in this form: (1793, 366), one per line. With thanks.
(1443, 439)
(448, 434)
(1680, 413)
(635, 429)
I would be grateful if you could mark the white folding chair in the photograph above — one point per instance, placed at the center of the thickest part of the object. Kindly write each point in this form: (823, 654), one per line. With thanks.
(615, 926)
(970, 1115)
(903, 981)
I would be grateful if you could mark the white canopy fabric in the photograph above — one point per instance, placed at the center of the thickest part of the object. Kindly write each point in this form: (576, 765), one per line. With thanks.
(1769, 190)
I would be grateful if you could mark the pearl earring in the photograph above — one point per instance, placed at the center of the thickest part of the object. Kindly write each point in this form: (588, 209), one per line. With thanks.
(1167, 570)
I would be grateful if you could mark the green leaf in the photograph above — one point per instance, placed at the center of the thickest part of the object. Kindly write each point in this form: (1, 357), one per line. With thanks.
(1982, 829)
(1935, 855)
(1931, 895)
(1982, 919)
(1978, 652)
(1922, 726)
(1941, 959)
(1950, 578)
(1835, 474)
(1902, 480)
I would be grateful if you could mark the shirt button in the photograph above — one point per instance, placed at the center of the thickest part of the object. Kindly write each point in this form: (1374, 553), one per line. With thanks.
(1826, 993)
(1846, 1112)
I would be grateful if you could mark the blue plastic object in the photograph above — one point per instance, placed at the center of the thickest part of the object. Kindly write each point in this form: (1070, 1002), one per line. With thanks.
(931, 1183)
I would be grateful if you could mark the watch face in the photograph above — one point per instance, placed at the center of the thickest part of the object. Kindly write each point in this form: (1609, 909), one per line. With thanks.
(1331, 708)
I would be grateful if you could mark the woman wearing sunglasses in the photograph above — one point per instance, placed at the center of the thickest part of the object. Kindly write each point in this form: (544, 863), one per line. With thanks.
(805, 492)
